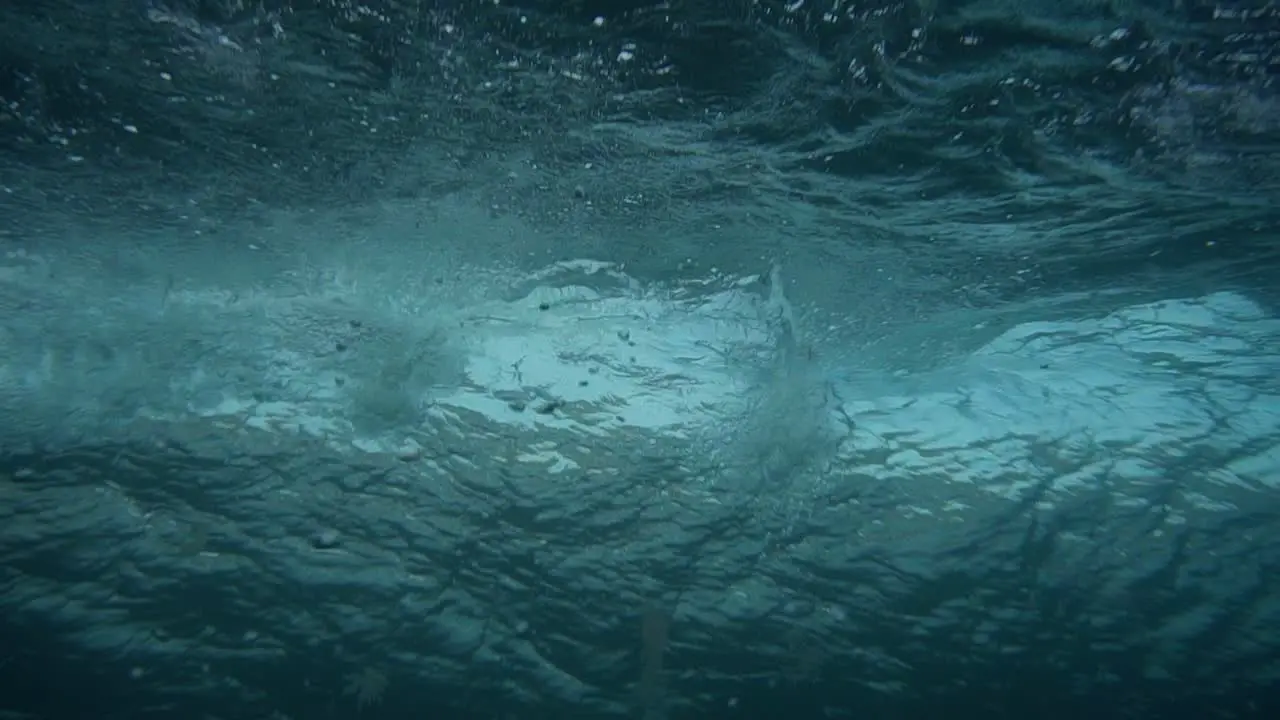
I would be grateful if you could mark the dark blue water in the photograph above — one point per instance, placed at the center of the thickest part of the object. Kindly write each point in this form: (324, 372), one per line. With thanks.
(739, 359)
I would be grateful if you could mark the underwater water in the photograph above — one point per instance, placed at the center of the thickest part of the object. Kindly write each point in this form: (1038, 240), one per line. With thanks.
(671, 360)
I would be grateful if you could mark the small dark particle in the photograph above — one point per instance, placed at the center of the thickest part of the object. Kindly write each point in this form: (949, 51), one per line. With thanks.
(548, 407)
(544, 306)
(340, 346)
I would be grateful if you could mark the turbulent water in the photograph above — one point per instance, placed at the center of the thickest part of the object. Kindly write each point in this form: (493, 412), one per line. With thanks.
(574, 359)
